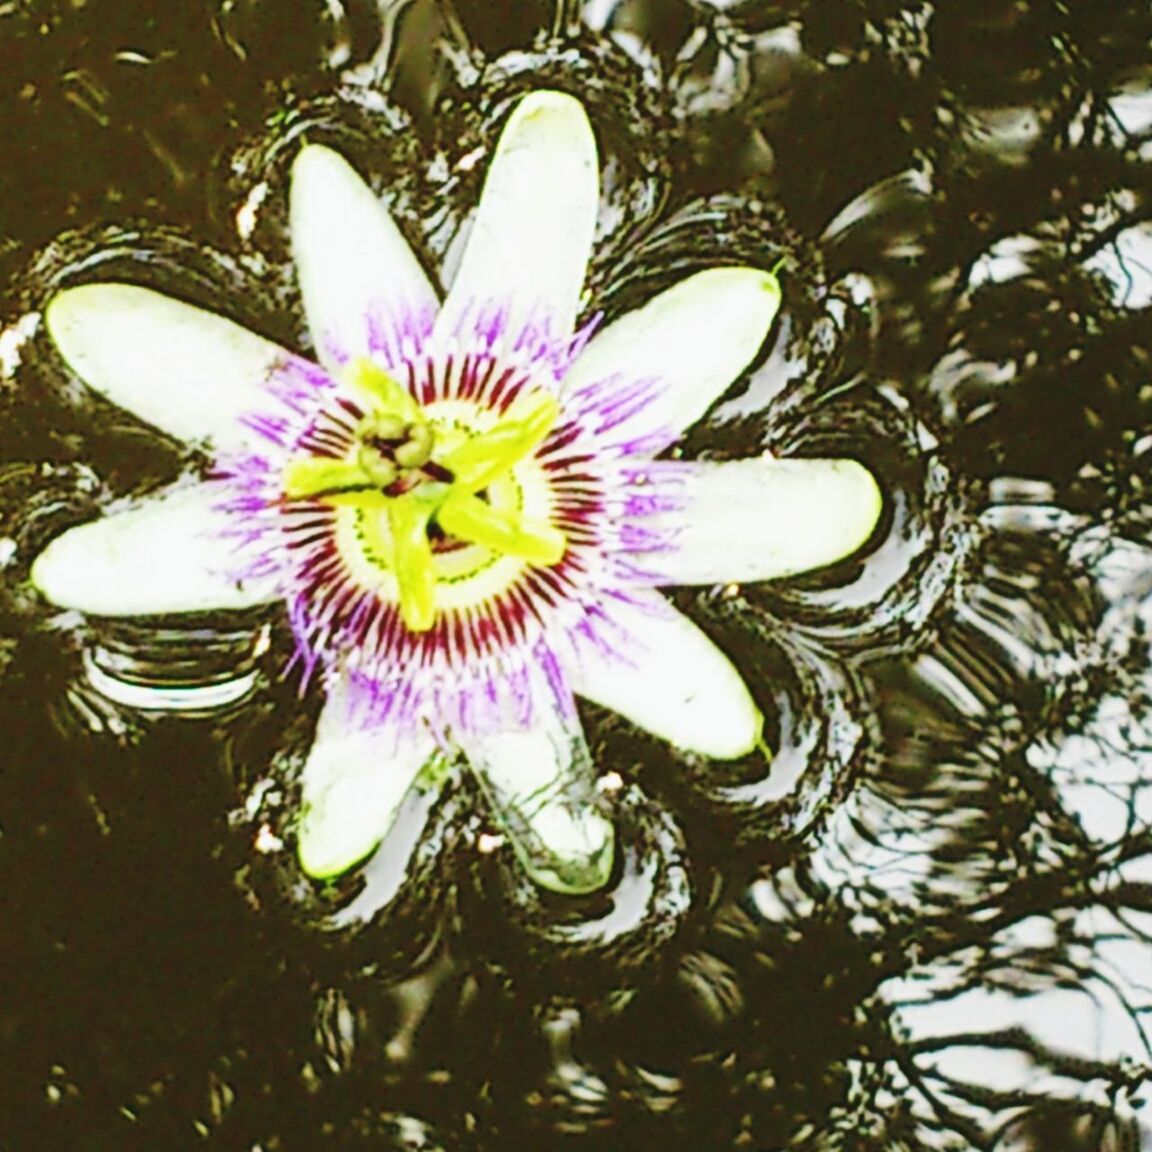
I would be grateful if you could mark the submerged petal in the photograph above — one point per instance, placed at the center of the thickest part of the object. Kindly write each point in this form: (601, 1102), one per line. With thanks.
(531, 237)
(171, 553)
(360, 279)
(541, 781)
(189, 372)
(669, 678)
(692, 340)
(353, 784)
(762, 519)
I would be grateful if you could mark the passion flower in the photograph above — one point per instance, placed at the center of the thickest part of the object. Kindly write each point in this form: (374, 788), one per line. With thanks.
(468, 508)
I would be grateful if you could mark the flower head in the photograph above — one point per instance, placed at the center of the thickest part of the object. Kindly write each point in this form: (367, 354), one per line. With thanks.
(465, 506)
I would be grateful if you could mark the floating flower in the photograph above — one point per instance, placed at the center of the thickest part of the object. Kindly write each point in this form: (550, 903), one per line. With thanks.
(464, 506)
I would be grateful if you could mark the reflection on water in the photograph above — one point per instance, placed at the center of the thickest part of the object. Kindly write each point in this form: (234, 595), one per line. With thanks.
(928, 925)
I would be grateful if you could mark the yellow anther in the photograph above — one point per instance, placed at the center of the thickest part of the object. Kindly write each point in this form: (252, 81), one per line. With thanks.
(538, 411)
(487, 456)
(370, 498)
(387, 395)
(321, 476)
(469, 518)
(412, 561)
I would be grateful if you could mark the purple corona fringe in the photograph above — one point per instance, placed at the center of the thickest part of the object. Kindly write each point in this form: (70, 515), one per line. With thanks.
(493, 665)
(388, 335)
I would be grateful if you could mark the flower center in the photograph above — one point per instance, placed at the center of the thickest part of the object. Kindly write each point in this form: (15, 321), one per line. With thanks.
(417, 483)
(391, 452)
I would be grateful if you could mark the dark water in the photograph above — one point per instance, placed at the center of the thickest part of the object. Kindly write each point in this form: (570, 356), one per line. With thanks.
(930, 926)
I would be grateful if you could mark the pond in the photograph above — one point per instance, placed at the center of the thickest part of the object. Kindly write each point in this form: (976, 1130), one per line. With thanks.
(668, 660)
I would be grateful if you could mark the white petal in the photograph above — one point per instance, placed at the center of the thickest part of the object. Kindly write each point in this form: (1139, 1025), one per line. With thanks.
(667, 677)
(353, 784)
(187, 371)
(167, 554)
(358, 275)
(693, 340)
(532, 233)
(542, 784)
(764, 518)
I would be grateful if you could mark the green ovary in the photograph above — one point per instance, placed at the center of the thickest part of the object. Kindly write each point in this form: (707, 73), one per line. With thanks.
(427, 502)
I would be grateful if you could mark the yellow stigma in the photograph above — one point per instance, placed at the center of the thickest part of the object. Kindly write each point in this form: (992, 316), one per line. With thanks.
(407, 486)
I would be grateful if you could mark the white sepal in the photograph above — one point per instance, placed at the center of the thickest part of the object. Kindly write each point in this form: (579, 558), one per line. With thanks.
(531, 236)
(169, 553)
(670, 679)
(692, 340)
(763, 519)
(187, 371)
(353, 783)
(358, 275)
(541, 782)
